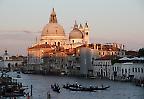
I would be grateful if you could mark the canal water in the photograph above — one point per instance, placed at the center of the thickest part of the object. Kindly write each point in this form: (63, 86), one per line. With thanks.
(118, 90)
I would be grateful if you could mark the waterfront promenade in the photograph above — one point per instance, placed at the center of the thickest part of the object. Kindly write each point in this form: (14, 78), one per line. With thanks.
(118, 90)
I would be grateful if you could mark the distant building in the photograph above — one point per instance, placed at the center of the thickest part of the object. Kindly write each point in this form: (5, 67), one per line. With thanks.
(102, 66)
(129, 68)
(8, 61)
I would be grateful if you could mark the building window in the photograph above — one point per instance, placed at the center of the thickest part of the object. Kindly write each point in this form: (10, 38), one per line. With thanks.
(141, 70)
(138, 69)
(86, 33)
(45, 42)
(58, 43)
(125, 70)
(133, 69)
(16, 64)
(122, 71)
(73, 41)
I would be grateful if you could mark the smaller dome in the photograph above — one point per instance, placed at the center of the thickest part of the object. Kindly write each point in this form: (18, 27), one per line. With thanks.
(76, 34)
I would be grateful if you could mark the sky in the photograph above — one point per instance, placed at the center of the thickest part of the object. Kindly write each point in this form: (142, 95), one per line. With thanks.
(119, 21)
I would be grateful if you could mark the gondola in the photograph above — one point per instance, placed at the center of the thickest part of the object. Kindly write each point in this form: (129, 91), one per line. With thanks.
(55, 88)
(82, 89)
(67, 86)
(75, 87)
(101, 88)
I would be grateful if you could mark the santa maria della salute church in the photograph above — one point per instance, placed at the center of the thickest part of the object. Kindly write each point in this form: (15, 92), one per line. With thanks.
(57, 51)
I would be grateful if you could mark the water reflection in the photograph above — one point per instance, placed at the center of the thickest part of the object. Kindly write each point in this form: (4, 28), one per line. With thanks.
(118, 90)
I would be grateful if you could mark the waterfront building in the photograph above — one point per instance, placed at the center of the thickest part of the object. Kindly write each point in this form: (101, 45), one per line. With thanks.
(102, 66)
(10, 62)
(129, 68)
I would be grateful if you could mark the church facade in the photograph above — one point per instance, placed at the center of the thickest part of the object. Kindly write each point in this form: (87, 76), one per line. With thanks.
(53, 36)
(57, 51)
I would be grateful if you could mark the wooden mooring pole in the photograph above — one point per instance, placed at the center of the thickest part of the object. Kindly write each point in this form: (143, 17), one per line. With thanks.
(31, 90)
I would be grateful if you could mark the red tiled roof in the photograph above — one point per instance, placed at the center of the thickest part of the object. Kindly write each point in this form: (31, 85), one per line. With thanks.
(107, 57)
(40, 46)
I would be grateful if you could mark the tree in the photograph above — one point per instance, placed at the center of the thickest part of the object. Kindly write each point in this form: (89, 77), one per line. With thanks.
(141, 52)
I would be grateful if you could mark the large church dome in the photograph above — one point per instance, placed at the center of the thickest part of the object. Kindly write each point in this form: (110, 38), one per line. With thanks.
(76, 33)
(53, 28)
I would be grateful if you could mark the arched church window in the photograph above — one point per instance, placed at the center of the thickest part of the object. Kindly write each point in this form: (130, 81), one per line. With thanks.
(86, 33)
(16, 64)
(46, 43)
(58, 43)
(73, 41)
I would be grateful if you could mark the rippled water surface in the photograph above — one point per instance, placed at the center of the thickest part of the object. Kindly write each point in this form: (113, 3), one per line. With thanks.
(118, 90)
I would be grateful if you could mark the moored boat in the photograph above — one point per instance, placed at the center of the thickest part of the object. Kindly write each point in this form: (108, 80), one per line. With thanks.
(55, 88)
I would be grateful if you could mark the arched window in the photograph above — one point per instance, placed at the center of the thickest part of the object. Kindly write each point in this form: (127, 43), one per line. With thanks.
(86, 33)
(141, 70)
(58, 43)
(138, 69)
(46, 43)
(122, 71)
(125, 70)
(16, 64)
(135, 69)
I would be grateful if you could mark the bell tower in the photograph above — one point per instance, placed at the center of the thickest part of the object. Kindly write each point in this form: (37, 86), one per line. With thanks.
(86, 33)
(6, 55)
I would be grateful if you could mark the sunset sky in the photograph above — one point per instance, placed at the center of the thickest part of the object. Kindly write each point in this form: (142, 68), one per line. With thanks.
(120, 21)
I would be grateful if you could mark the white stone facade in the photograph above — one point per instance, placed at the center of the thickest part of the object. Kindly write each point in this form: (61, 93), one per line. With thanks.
(129, 67)
(102, 67)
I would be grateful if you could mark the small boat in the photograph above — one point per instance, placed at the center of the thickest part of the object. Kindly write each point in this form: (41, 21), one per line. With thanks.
(101, 88)
(82, 89)
(18, 76)
(55, 88)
